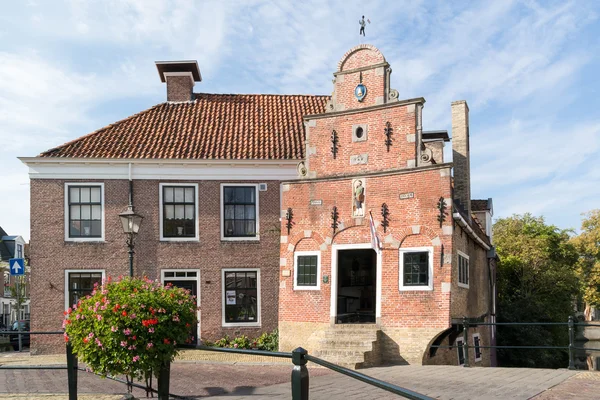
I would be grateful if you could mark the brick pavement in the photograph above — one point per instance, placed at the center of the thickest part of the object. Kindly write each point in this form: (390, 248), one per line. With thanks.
(233, 379)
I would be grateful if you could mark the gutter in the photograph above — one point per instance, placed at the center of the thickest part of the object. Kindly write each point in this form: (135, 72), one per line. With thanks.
(463, 224)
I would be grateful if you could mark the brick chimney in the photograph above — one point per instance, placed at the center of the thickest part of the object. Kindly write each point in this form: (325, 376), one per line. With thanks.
(460, 155)
(180, 77)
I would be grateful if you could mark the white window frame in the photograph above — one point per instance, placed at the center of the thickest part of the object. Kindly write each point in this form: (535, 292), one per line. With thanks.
(258, 322)
(69, 271)
(307, 253)
(460, 342)
(196, 238)
(257, 213)
(196, 278)
(466, 257)
(476, 347)
(67, 211)
(429, 285)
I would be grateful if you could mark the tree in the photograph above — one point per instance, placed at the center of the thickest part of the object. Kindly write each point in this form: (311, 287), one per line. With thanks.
(588, 267)
(537, 282)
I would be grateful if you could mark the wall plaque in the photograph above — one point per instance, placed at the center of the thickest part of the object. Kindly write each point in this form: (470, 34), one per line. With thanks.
(359, 159)
(316, 202)
(409, 195)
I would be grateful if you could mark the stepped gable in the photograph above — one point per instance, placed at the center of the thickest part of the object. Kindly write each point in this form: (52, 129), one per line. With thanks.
(212, 126)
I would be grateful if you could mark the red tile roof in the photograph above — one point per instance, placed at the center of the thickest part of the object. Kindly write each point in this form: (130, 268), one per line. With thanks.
(214, 126)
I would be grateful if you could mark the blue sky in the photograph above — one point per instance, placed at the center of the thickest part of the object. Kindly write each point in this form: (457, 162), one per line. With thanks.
(529, 71)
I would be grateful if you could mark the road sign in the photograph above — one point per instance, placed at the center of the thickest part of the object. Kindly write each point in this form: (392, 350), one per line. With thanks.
(16, 266)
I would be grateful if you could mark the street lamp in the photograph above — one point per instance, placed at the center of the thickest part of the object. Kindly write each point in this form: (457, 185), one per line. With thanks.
(131, 226)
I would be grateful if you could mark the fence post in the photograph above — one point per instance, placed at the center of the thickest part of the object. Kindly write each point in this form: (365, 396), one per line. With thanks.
(571, 343)
(164, 378)
(299, 375)
(466, 340)
(71, 372)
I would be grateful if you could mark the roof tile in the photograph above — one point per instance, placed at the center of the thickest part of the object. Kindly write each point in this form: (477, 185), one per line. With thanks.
(214, 126)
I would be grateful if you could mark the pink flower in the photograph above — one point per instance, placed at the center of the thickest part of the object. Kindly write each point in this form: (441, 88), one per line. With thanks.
(235, 345)
(149, 345)
(98, 342)
(132, 347)
(123, 343)
(113, 328)
(99, 317)
(151, 330)
(127, 332)
(132, 316)
(176, 318)
(91, 335)
(78, 316)
(136, 358)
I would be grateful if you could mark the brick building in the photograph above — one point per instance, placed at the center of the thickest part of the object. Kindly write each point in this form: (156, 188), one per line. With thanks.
(238, 194)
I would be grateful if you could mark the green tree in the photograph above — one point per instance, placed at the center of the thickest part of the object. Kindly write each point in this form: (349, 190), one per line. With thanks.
(537, 282)
(588, 267)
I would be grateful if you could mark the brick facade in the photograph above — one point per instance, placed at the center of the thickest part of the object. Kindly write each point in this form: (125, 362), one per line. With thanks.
(51, 254)
(337, 141)
(409, 321)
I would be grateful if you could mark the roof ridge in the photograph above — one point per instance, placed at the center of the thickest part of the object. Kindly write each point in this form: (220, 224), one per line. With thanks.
(97, 131)
(262, 94)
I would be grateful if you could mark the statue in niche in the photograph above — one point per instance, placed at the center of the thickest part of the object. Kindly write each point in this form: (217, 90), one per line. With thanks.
(358, 201)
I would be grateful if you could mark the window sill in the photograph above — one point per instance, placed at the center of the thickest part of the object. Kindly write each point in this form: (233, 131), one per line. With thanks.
(241, 325)
(90, 240)
(416, 288)
(462, 285)
(241, 239)
(179, 240)
(306, 288)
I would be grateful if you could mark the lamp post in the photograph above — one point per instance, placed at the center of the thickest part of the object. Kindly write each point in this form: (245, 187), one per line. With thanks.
(131, 226)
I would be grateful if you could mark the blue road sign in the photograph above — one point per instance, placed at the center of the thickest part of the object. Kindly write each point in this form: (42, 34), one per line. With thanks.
(16, 266)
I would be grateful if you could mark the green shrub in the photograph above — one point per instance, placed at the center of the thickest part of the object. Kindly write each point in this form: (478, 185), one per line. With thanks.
(130, 327)
(266, 341)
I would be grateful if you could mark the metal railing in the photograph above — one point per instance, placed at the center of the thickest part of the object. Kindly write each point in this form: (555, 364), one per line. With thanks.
(571, 324)
(300, 376)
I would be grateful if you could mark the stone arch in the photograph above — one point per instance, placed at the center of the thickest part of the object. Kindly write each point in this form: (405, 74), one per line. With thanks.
(414, 230)
(306, 234)
(340, 234)
(377, 55)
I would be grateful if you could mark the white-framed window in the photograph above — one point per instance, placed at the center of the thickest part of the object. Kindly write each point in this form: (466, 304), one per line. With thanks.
(307, 270)
(240, 211)
(460, 350)
(80, 283)
(178, 212)
(7, 288)
(416, 268)
(463, 269)
(240, 297)
(84, 212)
(477, 346)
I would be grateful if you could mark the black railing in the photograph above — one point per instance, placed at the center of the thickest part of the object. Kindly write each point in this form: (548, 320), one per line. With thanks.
(71, 366)
(571, 324)
(300, 376)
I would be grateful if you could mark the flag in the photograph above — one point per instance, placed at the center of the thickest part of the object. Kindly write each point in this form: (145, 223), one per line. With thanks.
(375, 242)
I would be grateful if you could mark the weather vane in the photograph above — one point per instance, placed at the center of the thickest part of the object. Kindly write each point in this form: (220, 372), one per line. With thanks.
(362, 24)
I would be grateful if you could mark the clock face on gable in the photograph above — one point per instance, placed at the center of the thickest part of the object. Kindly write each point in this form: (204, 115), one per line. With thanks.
(360, 92)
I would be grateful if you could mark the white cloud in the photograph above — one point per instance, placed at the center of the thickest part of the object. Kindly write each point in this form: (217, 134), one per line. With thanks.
(62, 67)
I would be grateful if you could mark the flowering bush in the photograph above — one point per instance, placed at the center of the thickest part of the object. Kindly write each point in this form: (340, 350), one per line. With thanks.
(130, 327)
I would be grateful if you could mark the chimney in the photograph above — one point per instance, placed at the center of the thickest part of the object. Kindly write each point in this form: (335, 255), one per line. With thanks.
(460, 155)
(180, 77)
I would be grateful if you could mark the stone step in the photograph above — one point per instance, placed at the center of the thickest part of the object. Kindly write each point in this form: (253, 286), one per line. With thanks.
(341, 353)
(344, 344)
(355, 326)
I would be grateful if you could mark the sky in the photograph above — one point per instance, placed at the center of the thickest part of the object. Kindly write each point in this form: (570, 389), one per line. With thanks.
(528, 70)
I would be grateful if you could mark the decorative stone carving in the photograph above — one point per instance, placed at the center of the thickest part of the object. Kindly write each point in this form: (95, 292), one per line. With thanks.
(393, 95)
(358, 198)
(359, 159)
(302, 170)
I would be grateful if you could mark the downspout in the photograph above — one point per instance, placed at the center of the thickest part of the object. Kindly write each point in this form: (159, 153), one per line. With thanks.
(419, 138)
(130, 188)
